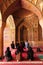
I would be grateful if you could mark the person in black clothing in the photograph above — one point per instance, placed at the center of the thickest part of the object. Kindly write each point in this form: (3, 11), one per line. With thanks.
(30, 53)
(28, 45)
(8, 54)
(18, 46)
(17, 52)
(22, 45)
(12, 45)
(18, 49)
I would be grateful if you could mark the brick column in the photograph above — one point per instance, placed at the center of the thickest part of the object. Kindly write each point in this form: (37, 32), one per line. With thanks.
(1, 39)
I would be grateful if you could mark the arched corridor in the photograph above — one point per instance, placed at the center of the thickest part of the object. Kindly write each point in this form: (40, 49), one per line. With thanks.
(18, 28)
(21, 20)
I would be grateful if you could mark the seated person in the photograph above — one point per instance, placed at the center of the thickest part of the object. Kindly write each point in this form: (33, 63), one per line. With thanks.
(30, 53)
(22, 45)
(26, 44)
(38, 49)
(8, 54)
(17, 52)
(12, 45)
(18, 56)
(18, 46)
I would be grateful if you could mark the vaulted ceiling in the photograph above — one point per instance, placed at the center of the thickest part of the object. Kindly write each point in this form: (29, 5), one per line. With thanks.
(37, 3)
(17, 6)
(20, 14)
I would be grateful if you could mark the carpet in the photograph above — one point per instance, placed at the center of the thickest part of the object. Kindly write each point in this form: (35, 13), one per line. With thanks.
(22, 63)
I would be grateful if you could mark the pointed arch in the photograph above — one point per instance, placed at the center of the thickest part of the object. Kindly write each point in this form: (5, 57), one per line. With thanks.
(9, 32)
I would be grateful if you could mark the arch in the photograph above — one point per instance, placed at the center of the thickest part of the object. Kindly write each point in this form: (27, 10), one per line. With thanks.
(26, 27)
(24, 4)
(9, 32)
(15, 5)
(31, 24)
(29, 6)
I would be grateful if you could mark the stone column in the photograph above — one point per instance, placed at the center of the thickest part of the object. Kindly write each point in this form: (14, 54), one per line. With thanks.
(2, 25)
(1, 38)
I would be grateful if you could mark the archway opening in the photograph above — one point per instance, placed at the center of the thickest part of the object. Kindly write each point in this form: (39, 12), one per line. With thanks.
(9, 32)
(23, 33)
